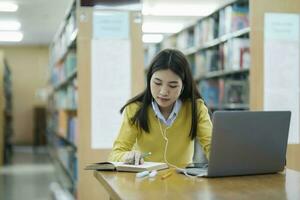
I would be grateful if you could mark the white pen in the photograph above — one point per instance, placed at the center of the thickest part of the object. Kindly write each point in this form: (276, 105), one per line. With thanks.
(142, 174)
(152, 173)
(146, 155)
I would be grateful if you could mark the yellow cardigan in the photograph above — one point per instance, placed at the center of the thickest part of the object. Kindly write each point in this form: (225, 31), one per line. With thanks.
(180, 147)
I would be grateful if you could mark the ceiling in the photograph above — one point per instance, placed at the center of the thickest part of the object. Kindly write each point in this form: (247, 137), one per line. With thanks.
(41, 18)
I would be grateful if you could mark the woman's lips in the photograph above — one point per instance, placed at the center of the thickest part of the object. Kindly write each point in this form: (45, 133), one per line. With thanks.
(163, 99)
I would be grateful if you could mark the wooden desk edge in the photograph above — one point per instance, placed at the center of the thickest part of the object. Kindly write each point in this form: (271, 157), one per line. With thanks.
(115, 196)
(112, 194)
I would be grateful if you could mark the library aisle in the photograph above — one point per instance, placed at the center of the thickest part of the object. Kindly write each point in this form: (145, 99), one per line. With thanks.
(74, 63)
(30, 176)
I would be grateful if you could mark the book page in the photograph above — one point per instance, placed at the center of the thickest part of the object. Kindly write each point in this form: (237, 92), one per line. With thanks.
(143, 167)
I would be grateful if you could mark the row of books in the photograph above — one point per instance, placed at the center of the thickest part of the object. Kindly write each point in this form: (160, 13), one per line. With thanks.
(206, 30)
(65, 38)
(7, 86)
(7, 122)
(67, 98)
(232, 55)
(235, 54)
(185, 39)
(229, 19)
(63, 153)
(221, 92)
(64, 69)
(233, 17)
(68, 160)
(64, 125)
(72, 131)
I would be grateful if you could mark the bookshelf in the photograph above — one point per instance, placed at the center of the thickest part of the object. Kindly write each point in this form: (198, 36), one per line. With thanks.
(74, 55)
(218, 49)
(62, 123)
(6, 108)
(88, 187)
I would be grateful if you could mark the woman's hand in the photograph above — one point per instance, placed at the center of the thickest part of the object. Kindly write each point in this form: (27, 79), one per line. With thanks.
(133, 158)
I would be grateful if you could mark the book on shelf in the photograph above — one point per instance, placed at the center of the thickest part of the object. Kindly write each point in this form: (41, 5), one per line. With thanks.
(211, 60)
(236, 92)
(206, 61)
(72, 134)
(235, 54)
(191, 60)
(121, 166)
(210, 91)
(185, 39)
(70, 63)
(206, 30)
(62, 126)
(200, 60)
(233, 18)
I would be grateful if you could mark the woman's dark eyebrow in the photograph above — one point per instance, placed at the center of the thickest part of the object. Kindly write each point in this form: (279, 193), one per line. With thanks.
(172, 82)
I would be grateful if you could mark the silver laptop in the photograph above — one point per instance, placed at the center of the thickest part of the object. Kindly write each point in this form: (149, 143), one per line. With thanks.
(247, 142)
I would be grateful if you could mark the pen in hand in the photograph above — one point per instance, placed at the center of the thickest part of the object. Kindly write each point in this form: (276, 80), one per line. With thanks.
(141, 159)
(144, 155)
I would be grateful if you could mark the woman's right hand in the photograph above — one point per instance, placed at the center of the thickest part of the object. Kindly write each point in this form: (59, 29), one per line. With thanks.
(133, 158)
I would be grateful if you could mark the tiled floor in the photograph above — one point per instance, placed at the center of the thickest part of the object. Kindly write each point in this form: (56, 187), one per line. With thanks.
(28, 177)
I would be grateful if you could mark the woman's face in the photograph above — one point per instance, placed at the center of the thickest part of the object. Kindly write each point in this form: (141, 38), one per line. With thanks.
(165, 88)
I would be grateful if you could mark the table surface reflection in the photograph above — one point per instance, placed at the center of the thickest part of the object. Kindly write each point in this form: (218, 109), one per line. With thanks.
(123, 185)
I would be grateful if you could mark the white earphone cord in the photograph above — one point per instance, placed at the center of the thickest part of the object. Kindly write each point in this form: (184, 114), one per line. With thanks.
(163, 133)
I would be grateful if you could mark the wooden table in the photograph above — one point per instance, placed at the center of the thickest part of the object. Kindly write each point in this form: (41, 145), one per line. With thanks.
(123, 185)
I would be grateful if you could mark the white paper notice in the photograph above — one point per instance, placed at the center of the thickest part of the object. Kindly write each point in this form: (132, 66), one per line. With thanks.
(281, 67)
(111, 78)
(110, 25)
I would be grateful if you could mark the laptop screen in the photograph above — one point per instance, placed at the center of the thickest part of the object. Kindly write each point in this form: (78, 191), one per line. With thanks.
(248, 142)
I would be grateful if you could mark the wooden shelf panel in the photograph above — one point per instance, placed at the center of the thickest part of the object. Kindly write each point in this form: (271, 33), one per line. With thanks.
(217, 41)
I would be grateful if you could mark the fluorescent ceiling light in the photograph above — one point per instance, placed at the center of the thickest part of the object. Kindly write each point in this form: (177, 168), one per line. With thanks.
(11, 36)
(152, 38)
(161, 27)
(8, 7)
(9, 25)
(179, 10)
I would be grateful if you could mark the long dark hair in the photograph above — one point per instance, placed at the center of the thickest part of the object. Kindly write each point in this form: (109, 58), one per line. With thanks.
(175, 61)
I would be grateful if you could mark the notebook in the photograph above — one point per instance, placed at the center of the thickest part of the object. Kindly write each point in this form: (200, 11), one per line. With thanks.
(121, 166)
(245, 143)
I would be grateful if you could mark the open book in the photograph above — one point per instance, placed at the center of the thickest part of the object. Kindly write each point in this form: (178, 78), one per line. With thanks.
(120, 166)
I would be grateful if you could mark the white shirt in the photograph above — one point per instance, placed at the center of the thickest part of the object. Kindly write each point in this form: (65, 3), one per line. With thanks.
(172, 116)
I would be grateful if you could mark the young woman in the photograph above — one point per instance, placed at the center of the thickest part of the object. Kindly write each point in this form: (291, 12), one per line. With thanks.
(166, 117)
